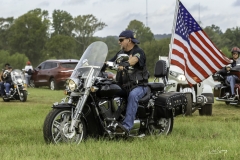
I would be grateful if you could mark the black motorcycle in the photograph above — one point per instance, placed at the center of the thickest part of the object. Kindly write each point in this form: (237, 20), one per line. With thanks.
(222, 91)
(92, 109)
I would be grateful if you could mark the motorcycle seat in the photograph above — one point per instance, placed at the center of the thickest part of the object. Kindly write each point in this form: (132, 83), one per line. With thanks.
(156, 86)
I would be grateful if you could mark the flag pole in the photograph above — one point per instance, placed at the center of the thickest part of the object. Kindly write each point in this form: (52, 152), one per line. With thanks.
(173, 31)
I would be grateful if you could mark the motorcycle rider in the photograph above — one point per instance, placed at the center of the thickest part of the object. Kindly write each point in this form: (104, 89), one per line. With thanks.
(8, 80)
(2, 79)
(133, 81)
(231, 79)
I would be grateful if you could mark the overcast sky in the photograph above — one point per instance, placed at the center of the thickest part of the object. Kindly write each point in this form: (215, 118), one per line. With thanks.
(118, 13)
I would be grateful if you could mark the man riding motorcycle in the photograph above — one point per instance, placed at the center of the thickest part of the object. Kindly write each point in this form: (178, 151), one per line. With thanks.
(7, 80)
(225, 72)
(133, 81)
(2, 78)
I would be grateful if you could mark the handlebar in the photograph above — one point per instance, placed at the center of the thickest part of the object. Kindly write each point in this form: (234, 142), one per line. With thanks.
(112, 65)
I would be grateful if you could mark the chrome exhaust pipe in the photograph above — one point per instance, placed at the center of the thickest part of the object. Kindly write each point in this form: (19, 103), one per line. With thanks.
(135, 128)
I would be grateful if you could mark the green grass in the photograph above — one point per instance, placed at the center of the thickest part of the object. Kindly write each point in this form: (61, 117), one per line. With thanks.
(196, 137)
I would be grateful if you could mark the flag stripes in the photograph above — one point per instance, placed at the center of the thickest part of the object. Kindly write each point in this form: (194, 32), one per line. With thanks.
(193, 51)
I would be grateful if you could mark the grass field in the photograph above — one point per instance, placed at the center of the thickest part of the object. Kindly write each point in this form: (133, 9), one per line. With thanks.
(193, 138)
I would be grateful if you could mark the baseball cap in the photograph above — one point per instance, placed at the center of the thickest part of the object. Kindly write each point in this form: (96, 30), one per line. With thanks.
(129, 34)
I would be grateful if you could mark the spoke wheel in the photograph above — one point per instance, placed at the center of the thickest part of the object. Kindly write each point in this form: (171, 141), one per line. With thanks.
(162, 126)
(56, 128)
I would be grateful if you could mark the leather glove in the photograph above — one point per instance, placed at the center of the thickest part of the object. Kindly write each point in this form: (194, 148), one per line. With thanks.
(125, 64)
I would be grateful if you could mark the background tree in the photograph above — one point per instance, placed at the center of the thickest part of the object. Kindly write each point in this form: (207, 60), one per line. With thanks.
(16, 60)
(84, 28)
(143, 33)
(5, 24)
(113, 46)
(231, 38)
(29, 34)
(62, 23)
(60, 47)
(214, 33)
(155, 49)
(227, 52)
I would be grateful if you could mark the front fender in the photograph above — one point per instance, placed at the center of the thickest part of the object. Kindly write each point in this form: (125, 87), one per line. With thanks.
(207, 89)
(62, 106)
(208, 92)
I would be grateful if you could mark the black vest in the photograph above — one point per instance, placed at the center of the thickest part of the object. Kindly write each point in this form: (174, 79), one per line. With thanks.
(132, 77)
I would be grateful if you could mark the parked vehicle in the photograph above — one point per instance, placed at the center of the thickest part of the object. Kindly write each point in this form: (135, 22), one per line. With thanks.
(200, 96)
(18, 89)
(222, 91)
(92, 109)
(53, 73)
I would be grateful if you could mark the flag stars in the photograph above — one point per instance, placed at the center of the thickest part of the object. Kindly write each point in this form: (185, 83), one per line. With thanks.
(185, 26)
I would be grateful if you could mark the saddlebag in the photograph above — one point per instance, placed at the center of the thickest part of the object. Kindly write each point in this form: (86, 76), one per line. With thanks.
(170, 104)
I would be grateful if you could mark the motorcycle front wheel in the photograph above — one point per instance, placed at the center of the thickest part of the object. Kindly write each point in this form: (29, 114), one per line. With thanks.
(56, 128)
(162, 126)
(23, 96)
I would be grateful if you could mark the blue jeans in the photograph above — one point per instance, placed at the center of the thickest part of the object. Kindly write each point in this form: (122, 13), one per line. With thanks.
(232, 80)
(134, 96)
(7, 87)
(27, 78)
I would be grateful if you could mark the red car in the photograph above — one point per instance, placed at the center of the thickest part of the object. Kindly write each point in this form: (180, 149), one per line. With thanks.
(53, 73)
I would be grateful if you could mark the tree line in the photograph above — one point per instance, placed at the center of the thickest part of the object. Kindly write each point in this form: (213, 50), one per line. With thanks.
(37, 36)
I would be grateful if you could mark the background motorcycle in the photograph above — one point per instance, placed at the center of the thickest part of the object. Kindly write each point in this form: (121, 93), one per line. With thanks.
(223, 89)
(92, 109)
(17, 89)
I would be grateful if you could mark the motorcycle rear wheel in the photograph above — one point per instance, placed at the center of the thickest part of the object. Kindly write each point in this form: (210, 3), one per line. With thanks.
(56, 128)
(163, 126)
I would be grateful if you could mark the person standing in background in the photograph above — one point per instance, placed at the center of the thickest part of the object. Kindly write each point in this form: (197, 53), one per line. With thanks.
(28, 72)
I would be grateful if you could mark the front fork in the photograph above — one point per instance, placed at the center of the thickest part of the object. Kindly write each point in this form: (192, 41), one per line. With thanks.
(79, 107)
(82, 99)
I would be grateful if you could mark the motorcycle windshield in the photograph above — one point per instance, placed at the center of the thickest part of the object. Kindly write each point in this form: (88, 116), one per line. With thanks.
(91, 61)
(17, 76)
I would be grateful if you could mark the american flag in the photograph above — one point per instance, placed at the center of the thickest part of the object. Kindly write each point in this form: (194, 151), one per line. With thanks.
(193, 51)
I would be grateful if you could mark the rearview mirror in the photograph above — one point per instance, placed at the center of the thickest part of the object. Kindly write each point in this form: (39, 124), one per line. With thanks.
(122, 58)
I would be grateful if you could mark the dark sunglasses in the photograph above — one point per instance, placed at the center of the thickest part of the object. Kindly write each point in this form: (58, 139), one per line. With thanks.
(121, 39)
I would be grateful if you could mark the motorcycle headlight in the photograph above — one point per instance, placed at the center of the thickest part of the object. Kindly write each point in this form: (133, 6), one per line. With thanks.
(181, 77)
(72, 84)
(19, 80)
